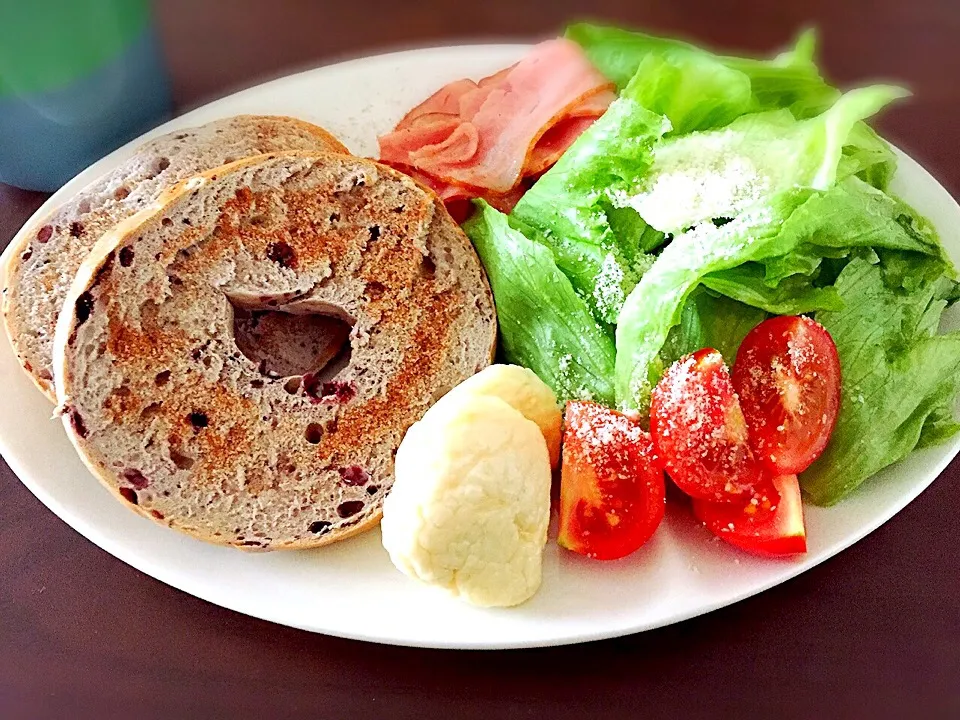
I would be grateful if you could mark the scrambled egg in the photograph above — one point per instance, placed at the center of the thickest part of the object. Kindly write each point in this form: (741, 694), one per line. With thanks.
(470, 505)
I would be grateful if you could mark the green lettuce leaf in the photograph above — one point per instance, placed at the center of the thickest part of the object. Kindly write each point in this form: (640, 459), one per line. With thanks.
(850, 215)
(790, 79)
(869, 157)
(900, 378)
(792, 296)
(544, 324)
(784, 261)
(939, 427)
(654, 306)
(632, 233)
(804, 259)
(617, 53)
(719, 173)
(599, 247)
(693, 90)
(709, 320)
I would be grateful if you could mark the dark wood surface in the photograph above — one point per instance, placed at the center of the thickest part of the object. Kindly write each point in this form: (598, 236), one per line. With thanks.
(874, 632)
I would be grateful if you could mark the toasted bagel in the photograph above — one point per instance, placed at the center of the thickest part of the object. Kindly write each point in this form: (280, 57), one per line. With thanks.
(184, 428)
(42, 268)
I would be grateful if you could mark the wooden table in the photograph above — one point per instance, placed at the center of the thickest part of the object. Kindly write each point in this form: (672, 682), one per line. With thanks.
(874, 632)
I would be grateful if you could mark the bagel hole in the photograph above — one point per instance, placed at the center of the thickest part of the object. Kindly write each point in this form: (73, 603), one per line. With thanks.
(288, 345)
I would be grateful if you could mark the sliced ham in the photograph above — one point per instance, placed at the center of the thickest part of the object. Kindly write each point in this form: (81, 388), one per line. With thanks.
(554, 143)
(562, 134)
(509, 111)
(457, 197)
(593, 105)
(426, 130)
(496, 77)
(490, 138)
(445, 101)
(460, 204)
(445, 191)
(459, 147)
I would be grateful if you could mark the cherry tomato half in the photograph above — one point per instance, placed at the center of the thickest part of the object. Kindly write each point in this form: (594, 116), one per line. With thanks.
(611, 491)
(699, 431)
(770, 523)
(787, 375)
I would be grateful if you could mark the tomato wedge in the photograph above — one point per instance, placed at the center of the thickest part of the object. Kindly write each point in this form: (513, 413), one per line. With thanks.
(611, 491)
(764, 525)
(699, 431)
(787, 375)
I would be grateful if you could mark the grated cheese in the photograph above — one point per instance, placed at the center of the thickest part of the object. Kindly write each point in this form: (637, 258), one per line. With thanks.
(698, 178)
(608, 287)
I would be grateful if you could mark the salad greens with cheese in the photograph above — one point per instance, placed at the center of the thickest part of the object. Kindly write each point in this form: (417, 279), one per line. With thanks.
(713, 193)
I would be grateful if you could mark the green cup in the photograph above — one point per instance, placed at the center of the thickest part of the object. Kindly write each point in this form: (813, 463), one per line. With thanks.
(78, 78)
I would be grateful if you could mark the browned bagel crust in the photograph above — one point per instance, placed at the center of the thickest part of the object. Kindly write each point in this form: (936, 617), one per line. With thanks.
(217, 449)
(48, 254)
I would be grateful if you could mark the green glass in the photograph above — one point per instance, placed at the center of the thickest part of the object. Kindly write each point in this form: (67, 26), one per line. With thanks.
(77, 79)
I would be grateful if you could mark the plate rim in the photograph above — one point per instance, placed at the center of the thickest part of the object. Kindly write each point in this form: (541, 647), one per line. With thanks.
(128, 554)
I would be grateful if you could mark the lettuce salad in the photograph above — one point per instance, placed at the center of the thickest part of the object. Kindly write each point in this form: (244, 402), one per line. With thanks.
(715, 192)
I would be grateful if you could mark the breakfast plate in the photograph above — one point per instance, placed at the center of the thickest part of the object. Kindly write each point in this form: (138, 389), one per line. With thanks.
(351, 589)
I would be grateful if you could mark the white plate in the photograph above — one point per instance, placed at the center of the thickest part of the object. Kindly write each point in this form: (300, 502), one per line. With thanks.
(351, 589)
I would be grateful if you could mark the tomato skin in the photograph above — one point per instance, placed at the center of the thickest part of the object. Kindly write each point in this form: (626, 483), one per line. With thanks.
(787, 375)
(767, 524)
(699, 430)
(612, 494)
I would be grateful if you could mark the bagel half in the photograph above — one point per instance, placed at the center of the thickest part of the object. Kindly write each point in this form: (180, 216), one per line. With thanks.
(184, 428)
(42, 268)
